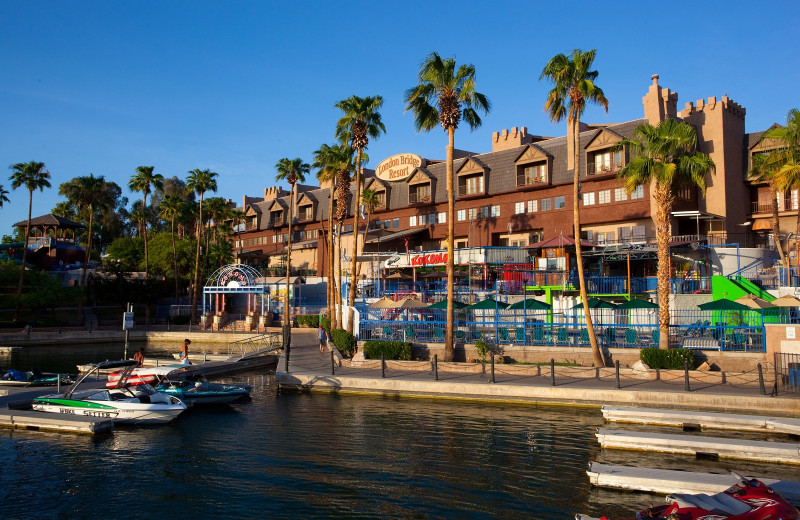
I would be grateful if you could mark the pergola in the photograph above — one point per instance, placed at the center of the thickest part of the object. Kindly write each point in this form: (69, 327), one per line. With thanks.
(234, 279)
(52, 226)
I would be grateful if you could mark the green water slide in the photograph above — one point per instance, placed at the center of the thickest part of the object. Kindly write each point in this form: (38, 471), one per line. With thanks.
(732, 289)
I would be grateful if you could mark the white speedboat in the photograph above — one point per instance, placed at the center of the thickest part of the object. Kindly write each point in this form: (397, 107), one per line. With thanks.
(140, 404)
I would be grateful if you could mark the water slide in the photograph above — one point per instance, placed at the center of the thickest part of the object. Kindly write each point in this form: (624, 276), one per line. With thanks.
(737, 287)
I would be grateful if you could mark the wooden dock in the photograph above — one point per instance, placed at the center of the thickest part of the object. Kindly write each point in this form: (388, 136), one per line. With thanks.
(701, 420)
(30, 420)
(666, 482)
(786, 453)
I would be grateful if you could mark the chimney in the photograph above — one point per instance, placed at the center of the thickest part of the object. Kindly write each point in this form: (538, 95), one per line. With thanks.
(514, 139)
(659, 103)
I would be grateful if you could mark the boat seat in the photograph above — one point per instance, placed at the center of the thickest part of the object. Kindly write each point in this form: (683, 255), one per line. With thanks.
(724, 505)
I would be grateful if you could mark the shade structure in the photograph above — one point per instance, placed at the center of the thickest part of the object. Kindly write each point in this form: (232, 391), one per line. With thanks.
(383, 303)
(786, 301)
(754, 302)
(637, 303)
(435, 274)
(443, 305)
(398, 276)
(409, 303)
(530, 304)
(487, 304)
(596, 303)
(723, 305)
(559, 241)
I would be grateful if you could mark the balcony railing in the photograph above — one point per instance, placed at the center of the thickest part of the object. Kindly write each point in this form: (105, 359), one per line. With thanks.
(523, 181)
(592, 168)
(418, 198)
(464, 191)
(766, 207)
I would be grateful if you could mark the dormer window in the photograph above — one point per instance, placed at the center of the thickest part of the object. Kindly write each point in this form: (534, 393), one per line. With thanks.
(470, 185)
(532, 174)
(533, 167)
(606, 161)
(419, 193)
(305, 212)
(381, 197)
(276, 218)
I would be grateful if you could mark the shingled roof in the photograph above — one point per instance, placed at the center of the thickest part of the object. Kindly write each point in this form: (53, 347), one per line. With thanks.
(51, 220)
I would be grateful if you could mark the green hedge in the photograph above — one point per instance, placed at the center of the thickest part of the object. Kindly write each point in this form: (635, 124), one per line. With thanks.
(326, 324)
(400, 350)
(668, 359)
(308, 320)
(344, 341)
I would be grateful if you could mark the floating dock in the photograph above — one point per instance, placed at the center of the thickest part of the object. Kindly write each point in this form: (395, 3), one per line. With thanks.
(786, 453)
(30, 420)
(665, 482)
(701, 420)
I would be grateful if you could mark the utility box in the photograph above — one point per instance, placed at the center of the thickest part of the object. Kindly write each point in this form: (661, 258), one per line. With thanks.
(127, 320)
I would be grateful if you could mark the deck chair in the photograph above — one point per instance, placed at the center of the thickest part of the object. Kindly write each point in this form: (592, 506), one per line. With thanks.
(656, 336)
(387, 332)
(538, 335)
(519, 335)
(438, 333)
(584, 337)
(504, 335)
(459, 335)
(631, 337)
(610, 336)
(561, 336)
(409, 333)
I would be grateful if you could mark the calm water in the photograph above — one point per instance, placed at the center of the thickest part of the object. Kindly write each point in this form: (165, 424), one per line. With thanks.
(291, 455)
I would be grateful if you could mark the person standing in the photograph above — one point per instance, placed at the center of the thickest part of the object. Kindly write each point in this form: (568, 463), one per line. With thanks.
(185, 352)
(139, 357)
(322, 336)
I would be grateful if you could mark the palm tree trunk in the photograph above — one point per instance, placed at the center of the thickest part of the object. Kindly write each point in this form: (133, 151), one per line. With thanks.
(337, 289)
(796, 242)
(576, 216)
(776, 226)
(366, 230)
(175, 260)
(287, 326)
(144, 226)
(18, 310)
(451, 208)
(86, 261)
(663, 200)
(195, 288)
(353, 277)
(331, 263)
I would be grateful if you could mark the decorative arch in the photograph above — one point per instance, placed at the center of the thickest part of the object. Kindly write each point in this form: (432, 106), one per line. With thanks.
(235, 279)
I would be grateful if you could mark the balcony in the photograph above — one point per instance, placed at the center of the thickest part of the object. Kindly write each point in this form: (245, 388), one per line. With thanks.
(419, 198)
(766, 207)
(465, 191)
(523, 182)
(591, 168)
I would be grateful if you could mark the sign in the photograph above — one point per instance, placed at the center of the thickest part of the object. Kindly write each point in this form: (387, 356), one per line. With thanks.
(790, 333)
(398, 167)
(421, 259)
(233, 278)
(127, 320)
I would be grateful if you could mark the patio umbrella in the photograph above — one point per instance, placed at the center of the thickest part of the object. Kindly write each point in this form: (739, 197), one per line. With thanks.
(487, 304)
(443, 305)
(637, 303)
(398, 276)
(383, 303)
(786, 301)
(596, 303)
(530, 304)
(723, 305)
(409, 303)
(754, 302)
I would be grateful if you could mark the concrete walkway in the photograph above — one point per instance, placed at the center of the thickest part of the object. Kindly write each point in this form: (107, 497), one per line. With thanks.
(311, 370)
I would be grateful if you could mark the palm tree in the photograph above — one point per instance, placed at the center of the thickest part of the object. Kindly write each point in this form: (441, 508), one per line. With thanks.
(573, 86)
(361, 121)
(238, 217)
(665, 157)
(292, 171)
(170, 209)
(370, 199)
(34, 176)
(142, 181)
(765, 169)
(87, 193)
(788, 162)
(199, 181)
(3, 195)
(443, 97)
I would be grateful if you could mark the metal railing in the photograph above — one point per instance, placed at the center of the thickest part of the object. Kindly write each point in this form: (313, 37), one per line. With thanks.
(255, 345)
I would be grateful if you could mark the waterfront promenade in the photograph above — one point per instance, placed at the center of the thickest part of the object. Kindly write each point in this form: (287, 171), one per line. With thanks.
(734, 393)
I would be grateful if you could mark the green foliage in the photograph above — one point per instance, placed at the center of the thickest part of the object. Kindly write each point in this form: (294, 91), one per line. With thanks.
(128, 253)
(326, 324)
(483, 349)
(308, 320)
(344, 341)
(400, 350)
(672, 359)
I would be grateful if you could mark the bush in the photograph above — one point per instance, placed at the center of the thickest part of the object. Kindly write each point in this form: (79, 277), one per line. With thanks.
(344, 341)
(308, 320)
(669, 359)
(400, 350)
(482, 348)
(326, 324)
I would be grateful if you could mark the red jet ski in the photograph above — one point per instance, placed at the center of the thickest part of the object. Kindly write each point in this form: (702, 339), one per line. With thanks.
(748, 499)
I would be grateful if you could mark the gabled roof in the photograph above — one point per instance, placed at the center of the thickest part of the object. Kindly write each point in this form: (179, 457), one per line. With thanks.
(603, 139)
(279, 202)
(52, 221)
(532, 152)
(472, 165)
(418, 174)
(306, 198)
(374, 180)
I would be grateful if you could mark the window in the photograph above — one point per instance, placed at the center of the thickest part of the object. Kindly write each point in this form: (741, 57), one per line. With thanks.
(412, 221)
(396, 223)
(470, 185)
(306, 213)
(274, 239)
(495, 211)
(639, 234)
(442, 218)
(533, 206)
(604, 197)
(588, 199)
(638, 193)
(473, 213)
(387, 224)
(559, 203)
(302, 235)
(624, 234)
(461, 215)
(519, 208)
(381, 196)
(532, 174)
(620, 194)
(606, 161)
(545, 204)
(419, 193)
(459, 244)
(348, 228)
(422, 220)
(484, 211)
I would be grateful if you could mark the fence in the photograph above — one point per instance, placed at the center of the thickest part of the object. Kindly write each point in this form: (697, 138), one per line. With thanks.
(787, 372)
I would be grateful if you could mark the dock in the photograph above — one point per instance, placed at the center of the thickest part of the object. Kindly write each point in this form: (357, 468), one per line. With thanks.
(665, 482)
(40, 421)
(764, 451)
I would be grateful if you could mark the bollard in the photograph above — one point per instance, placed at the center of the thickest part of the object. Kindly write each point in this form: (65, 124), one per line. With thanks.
(617, 365)
(552, 372)
(492, 368)
(686, 376)
(190, 325)
(333, 371)
(59, 328)
(761, 380)
(435, 367)
(90, 328)
(383, 366)
(58, 383)
(205, 356)
(168, 322)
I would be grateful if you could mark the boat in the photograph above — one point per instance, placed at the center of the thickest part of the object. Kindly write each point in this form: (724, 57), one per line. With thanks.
(198, 390)
(748, 499)
(140, 404)
(34, 377)
(142, 375)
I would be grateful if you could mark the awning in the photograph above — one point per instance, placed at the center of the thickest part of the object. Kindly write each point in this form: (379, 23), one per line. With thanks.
(395, 235)
(762, 224)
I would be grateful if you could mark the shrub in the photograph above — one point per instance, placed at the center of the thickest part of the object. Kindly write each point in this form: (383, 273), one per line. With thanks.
(669, 359)
(400, 350)
(326, 324)
(483, 349)
(308, 320)
(344, 341)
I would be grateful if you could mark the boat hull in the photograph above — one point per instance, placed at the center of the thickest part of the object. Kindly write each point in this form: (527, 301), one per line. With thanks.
(123, 412)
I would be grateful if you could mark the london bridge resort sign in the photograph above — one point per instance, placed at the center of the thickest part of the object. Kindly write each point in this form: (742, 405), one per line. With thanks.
(398, 167)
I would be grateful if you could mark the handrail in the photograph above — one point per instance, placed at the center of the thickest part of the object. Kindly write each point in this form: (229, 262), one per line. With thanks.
(255, 345)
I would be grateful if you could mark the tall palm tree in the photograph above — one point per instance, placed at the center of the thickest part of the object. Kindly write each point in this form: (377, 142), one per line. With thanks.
(292, 171)
(143, 181)
(170, 209)
(573, 86)
(34, 176)
(446, 94)
(3, 195)
(370, 199)
(665, 157)
(787, 160)
(238, 217)
(765, 169)
(87, 193)
(361, 120)
(199, 181)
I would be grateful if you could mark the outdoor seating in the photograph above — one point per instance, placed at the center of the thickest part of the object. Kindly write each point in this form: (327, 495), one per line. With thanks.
(409, 333)
(610, 336)
(631, 337)
(459, 335)
(519, 335)
(538, 335)
(561, 336)
(584, 337)
(504, 335)
(438, 334)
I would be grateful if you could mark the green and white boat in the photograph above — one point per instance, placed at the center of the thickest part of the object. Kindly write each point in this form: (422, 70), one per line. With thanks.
(140, 404)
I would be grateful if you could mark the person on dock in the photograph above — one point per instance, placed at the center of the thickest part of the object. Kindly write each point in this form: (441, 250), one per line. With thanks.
(185, 352)
(323, 339)
(139, 357)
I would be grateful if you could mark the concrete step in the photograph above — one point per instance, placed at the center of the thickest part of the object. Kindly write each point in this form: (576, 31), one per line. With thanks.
(703, 420)
(786, 453)
(30, 420)
(666, 482)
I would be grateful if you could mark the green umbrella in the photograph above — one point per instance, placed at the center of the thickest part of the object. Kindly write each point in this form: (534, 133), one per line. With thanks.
(530, 304)
(487, 304)
(443, 305)
(596, 303)
(723, 305)
(637, 303)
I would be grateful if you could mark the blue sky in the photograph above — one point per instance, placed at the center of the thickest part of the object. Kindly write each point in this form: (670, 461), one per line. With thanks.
(103, 87)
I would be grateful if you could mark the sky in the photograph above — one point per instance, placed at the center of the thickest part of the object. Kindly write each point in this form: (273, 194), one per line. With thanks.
(233, 86)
